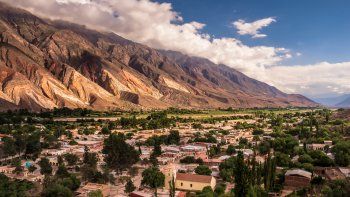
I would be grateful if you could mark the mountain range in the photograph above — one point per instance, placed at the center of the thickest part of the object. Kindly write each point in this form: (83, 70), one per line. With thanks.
(335, 101)
(48, 64)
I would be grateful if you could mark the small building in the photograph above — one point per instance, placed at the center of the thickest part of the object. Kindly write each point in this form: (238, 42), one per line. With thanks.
(83, 191)
(297, 178)
(92, 144)
(54, 152)
(7, 169)
(345, 171)
(212, 162)
(193, 182)
(328, 142)
(139, 194)
(334, 174)
(331, 173)
(315, 146)
(193, 148)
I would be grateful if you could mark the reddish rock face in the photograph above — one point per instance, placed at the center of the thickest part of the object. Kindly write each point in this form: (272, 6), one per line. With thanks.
(46, 64)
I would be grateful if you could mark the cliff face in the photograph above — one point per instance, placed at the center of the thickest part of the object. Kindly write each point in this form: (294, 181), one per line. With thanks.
(46, 64)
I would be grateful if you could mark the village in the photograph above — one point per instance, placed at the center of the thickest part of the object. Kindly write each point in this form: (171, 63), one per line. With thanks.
(284, 154)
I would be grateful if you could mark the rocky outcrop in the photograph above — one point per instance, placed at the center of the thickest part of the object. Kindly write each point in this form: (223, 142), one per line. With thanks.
(46, 64)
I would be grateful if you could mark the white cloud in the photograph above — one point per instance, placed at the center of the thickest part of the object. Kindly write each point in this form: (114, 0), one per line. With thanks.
(157, 25)
(253, 28)
(314, 80)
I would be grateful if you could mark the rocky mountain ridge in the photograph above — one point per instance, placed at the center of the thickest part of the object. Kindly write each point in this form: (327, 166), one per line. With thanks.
(51, 64)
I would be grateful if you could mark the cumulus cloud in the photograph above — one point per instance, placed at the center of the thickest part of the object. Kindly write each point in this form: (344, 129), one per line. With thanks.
(245, 28)
(159, 26)
(313, 80)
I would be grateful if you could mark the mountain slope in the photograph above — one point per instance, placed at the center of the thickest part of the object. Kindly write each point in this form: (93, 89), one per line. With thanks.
(46, 64)
(345, 103)
(332, 101)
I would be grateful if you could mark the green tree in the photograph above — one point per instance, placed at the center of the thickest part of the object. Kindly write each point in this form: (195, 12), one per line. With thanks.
(11, 188)
(62, 171)
(342, 153)
(119, 154)
(283, 160)
(17, 164)
(172, 188)
(89, 170)
(230, 150)
(241, 174)
(173, 137)
(32, 168)
(320, 159)
(33, 146)
(89, 158)
(71, 159)
(227, 169)
(269, 172)
(206, 192)
(9, 146)
(157, 149)
(153, 178)
(57, 190)
(203, 170)
(96, 193)
(129, 186)
(105, 131)
(45, 166)
(305, 158)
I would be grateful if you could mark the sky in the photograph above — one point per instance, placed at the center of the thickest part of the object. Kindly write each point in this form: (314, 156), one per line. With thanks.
(298, 46)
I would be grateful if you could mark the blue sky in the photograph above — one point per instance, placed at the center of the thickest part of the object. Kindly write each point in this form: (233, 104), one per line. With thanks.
(298, 46)
(319, 29)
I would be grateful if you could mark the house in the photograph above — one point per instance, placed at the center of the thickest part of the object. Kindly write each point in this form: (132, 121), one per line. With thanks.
(7, 169)
(315, 146)
(83, 191)
(212, 162)
(193, 182)
(140, 194)
(246, 152)
(55, 152)
(331, 173)
(92, 144)
(297, 178)
(193, 148)
(345, 171)
(3, 136)
(328, 142)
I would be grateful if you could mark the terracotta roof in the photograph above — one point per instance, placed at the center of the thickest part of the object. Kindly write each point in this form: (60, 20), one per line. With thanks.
(193, 178)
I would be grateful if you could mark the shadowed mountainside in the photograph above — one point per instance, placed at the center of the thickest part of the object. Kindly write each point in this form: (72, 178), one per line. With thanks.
(46, 64)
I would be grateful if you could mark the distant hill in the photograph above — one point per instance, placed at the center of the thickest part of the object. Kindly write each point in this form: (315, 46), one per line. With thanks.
(51, 64)
(332, 101)
(345, 103)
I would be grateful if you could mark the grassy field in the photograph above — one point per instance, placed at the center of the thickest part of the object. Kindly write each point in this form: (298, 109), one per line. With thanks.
(195, 115)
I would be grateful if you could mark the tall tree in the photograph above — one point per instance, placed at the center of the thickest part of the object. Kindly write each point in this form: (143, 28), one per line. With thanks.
(269, 173)
(172, 187)
(129, 186)
(241, 174)
(9, 146)
(119, 154)
(173, 137)
(45, 166)
(153, 178)
(203, 170)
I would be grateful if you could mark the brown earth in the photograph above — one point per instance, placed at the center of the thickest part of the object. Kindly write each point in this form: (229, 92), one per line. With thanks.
(46, 64)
